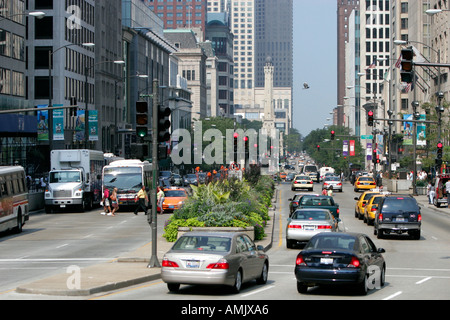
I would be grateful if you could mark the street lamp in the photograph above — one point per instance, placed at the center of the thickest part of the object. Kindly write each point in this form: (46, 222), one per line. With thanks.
(50, 81)
(36, 14)
(432, 12)
(86, 97)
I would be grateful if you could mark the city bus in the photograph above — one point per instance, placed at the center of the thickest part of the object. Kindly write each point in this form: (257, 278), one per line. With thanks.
(127, 176)
(13, 198)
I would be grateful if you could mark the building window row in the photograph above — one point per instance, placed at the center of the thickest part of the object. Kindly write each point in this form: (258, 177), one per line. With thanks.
(12, 83)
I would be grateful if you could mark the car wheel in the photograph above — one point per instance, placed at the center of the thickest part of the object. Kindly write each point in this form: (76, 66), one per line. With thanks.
(301, 287)
(173, 287)
(380, 234)
(238, 282)
(289, 244)
(415, 234)
(363, 287)
(383, 276)
(264, 274)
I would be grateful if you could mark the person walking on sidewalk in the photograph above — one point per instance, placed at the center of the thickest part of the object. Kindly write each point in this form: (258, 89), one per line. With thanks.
(141, 197)
(106, 204)
(160, 197)
(447, 191)
(114, 202)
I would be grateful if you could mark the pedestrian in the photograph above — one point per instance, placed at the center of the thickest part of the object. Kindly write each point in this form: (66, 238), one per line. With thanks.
(114, 202)
(330, 191)
(324, 191)
(429, 187)
(42, 183)
(141, 197)
(160, 199)
(432, 194)
(106, 203)
(447, 191)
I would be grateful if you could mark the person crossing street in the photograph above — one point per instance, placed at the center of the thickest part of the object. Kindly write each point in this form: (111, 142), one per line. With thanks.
(141, 198)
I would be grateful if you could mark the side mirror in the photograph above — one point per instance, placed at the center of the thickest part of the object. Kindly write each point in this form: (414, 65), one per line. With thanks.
(381, 250)
(260, 248)
(290, 199)
(356, 198)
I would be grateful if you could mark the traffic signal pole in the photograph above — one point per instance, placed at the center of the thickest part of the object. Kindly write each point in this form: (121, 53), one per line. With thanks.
(154, 263)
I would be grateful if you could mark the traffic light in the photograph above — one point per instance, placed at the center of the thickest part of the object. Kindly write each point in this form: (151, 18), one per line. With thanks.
(318, 148)
(235, 146)
(370, 118)
(374, 155)
(332, 134)
(141, 119)
(407, 71)
(439, 153)
(163, 123)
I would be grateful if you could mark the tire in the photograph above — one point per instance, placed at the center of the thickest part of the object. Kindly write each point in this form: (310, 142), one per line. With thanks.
(302, 288)
(380, 234)
(173, 287)
(362, 287)
(289, 244)
(383, 276)
(237, 282)
(264, 274)
(19, 227)
(415, 234)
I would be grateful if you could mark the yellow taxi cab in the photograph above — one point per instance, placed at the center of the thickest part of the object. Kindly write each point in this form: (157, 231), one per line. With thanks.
(365, 183)
(371, 207)
(283, 175)
(362, 201)
(174, 198)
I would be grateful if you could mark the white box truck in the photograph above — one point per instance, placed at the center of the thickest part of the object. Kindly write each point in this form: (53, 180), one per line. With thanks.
(75, 179)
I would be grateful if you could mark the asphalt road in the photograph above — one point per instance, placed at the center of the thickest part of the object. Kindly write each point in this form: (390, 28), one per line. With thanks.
(416, 269)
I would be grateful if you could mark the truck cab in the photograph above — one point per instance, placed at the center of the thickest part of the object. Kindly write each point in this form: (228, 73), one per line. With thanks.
(65, 188)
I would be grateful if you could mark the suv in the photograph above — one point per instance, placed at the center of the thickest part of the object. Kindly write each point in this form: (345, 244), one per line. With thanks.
(398, 214)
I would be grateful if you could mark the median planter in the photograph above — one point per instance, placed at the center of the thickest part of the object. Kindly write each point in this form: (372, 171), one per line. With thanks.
(250, 231)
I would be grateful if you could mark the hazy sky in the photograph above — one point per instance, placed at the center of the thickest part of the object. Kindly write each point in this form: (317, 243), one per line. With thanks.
(315, 62)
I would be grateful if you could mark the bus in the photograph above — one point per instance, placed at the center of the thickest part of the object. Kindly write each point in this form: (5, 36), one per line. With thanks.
(13, 198)
(127, 176)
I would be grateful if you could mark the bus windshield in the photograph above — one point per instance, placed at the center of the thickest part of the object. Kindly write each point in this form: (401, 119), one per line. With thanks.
(65, 176)
(124, 179)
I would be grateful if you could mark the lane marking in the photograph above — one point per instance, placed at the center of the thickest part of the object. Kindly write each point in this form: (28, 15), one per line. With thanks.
(393, 295)
(257, 291)
(423, 280)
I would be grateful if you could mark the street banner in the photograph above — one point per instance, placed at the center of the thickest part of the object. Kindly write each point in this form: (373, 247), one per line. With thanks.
(42, 125)
(345, 148)
(421, 132)
(352, 148)
(369, 151)
(58, 123)
(93, 125)
(407, 130)
(79, 126)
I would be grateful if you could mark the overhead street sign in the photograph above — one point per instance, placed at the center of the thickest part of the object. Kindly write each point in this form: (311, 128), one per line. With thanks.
(367, 137)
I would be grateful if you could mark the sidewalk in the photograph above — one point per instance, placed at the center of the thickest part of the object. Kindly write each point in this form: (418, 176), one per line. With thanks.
(128, 270)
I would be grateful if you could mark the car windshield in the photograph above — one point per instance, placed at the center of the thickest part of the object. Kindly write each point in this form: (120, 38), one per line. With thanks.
(65, 176)
(191, 176)
(202, 243)
(341, 241)
(366, 179)
(400, 204)
(174, 193)
(310, 169)
(317, 201)
(311, 215)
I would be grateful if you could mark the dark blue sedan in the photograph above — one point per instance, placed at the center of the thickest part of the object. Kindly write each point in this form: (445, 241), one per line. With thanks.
(340, 258)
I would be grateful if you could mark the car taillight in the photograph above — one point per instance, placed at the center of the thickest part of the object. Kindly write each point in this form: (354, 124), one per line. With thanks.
(296, 181)
(380, 217)
(295, 226)
(339, 184)
(299, 261)
(373, 209)
(354, 263)
(222, 264)
(310, 182)
(419, 217)
(324, 227)
(337, 210)
(168, 263)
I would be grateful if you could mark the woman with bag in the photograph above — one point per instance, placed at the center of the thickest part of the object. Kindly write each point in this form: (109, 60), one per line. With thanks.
(114, 202)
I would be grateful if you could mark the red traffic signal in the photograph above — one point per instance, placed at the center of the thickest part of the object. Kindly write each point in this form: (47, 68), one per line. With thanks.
(332, 134)
(370, 118)
(318, 148)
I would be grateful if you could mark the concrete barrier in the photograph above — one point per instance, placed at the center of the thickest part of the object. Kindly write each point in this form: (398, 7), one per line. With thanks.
(36, 201)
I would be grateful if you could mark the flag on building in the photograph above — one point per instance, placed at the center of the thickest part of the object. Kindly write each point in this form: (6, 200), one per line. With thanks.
(398, 64)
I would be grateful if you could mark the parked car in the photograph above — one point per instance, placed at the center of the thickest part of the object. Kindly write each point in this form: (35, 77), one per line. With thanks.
(362, 201)
(398, 214)
(336, 258)
(332, 182)
(302, 182)
(305, 223)
(214, 258)
(364, 183)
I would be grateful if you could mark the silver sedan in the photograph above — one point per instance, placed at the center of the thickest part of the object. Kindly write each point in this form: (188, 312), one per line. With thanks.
(332, 182)
(214, 258)
(305, 223)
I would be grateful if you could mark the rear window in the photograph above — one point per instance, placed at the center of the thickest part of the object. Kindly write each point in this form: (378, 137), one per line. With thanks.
(311, 215)
(399, 204)
(343, 241)
(202, 243)
(317, 201)
(174, 193)
(366, 179)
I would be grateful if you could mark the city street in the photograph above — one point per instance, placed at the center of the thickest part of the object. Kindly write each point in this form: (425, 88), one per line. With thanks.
(50, 243)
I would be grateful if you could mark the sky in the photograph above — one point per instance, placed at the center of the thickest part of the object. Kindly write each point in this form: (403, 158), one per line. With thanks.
(315, 62)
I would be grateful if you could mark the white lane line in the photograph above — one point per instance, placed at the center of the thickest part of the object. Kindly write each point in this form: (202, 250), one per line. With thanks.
(257, 291)
(393, 295)
(423, 280)
(62, 246)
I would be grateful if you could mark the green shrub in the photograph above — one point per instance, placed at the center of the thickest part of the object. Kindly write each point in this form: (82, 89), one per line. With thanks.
(171, 229)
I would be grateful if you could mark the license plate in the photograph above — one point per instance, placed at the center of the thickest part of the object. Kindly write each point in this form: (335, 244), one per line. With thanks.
(399, 220)
(62, 206)
(171, 207)
(192, 264)
(309, 228)
(326, 260)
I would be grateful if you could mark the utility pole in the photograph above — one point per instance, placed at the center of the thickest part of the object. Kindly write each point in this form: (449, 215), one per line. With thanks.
(154, 263)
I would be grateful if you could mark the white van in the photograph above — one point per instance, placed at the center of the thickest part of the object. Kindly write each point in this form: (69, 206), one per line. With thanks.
(325, 170)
